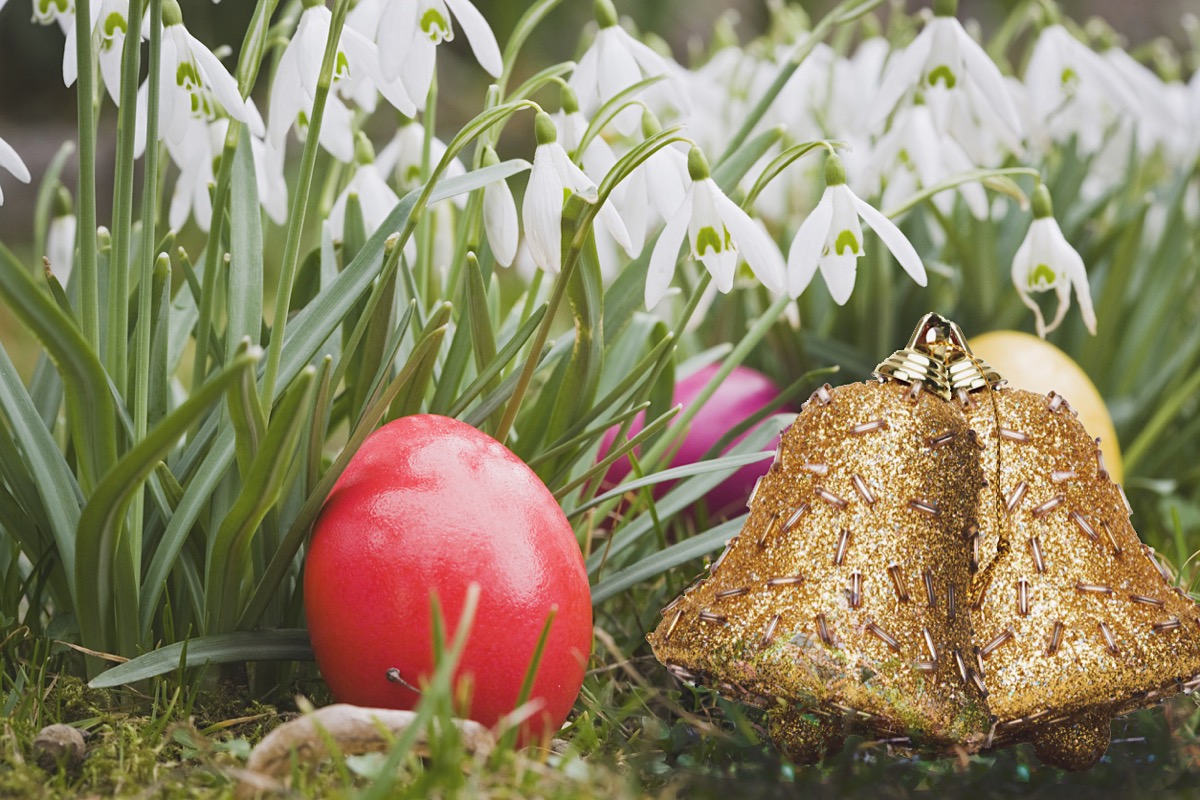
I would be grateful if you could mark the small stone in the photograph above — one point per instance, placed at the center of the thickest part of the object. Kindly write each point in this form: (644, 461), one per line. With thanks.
(59, 745)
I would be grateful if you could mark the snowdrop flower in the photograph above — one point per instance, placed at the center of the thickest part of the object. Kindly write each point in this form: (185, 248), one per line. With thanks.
(401, 157)
(658, 184)
(955, 74)
(1075, 92)
(596, 160)
(550, 179)
(195, 86)
(409, 31)
(1045, 261)
(615, 61)
(50, 12)
(356, 76)
(500, 215)
(60, 237)
(831, 239)
(717, 232)
(13, 163)
(109, 24)
(375, 197)
(195, 157)
(913, 154)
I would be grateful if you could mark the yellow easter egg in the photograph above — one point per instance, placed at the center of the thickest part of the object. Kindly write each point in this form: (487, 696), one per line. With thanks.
(1028, 362)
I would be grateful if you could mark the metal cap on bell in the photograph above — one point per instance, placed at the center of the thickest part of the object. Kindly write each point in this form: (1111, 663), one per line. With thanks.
(938, 357)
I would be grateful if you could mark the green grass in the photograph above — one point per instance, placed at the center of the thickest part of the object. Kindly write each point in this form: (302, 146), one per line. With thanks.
(634, 733)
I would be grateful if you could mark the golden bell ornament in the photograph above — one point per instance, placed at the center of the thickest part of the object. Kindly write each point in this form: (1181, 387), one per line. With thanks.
(940, 562)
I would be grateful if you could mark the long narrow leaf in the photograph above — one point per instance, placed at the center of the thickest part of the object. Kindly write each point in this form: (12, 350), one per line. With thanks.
(227, 648)
(654, 565)
(244, 280)
(262, 485)
(48, 470)
(89, 405)
(100, 523)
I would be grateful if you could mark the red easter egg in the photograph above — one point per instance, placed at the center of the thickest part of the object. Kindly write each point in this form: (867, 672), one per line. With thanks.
(430, 505)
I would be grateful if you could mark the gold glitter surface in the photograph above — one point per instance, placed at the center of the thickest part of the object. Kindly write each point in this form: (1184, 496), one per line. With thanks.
(949, 570)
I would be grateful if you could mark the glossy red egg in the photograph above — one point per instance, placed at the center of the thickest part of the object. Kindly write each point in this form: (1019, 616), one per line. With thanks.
(430, 505)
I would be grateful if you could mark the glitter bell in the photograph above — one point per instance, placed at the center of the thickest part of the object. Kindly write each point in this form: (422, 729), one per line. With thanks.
(942, 562)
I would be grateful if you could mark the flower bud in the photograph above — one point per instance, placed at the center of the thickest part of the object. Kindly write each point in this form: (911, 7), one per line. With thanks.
(543, 129)
(697, 164)
(1042, 206)
(605, 13)
(835, 170)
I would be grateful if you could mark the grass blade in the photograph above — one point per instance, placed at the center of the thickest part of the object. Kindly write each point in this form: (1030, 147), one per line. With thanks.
(271, 645)
(663, 560)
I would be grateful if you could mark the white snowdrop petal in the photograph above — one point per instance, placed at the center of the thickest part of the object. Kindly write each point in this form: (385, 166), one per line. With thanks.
(666, 179)
(583, 79)
(986, 75)
(902, 72)
(1070, 263)
(337, 130)
(500, 222)
(894, 240)
(224, 86)
(417, 72)
(60, 247)
(70, 67)
(839, 273)
(805, 251)
(287, 97)
(665, 255)
(572, 177)
(377, 197)
(479, 35)
(752, 242)
(612, 222)
(13, 163)
(632, 203)
(542, 212)
(398, 21)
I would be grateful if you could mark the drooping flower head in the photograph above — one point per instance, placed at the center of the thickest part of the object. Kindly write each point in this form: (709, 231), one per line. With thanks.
(831, 239)
(375, 197)
(718, 232)
(958, 79)
(552, 178)
(409, 31)
(1045, 261)
(356, 76)
(614, 62)
(196, 87)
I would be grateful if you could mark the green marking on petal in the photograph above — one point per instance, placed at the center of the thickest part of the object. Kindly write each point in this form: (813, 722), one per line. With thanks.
(708, 238)
(434, 25)
(943, 74)
(113, 24)
(1042, 275)
(1069, 77)
(187, 76)
(46, 10)
(341, 67)
(846, 239)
